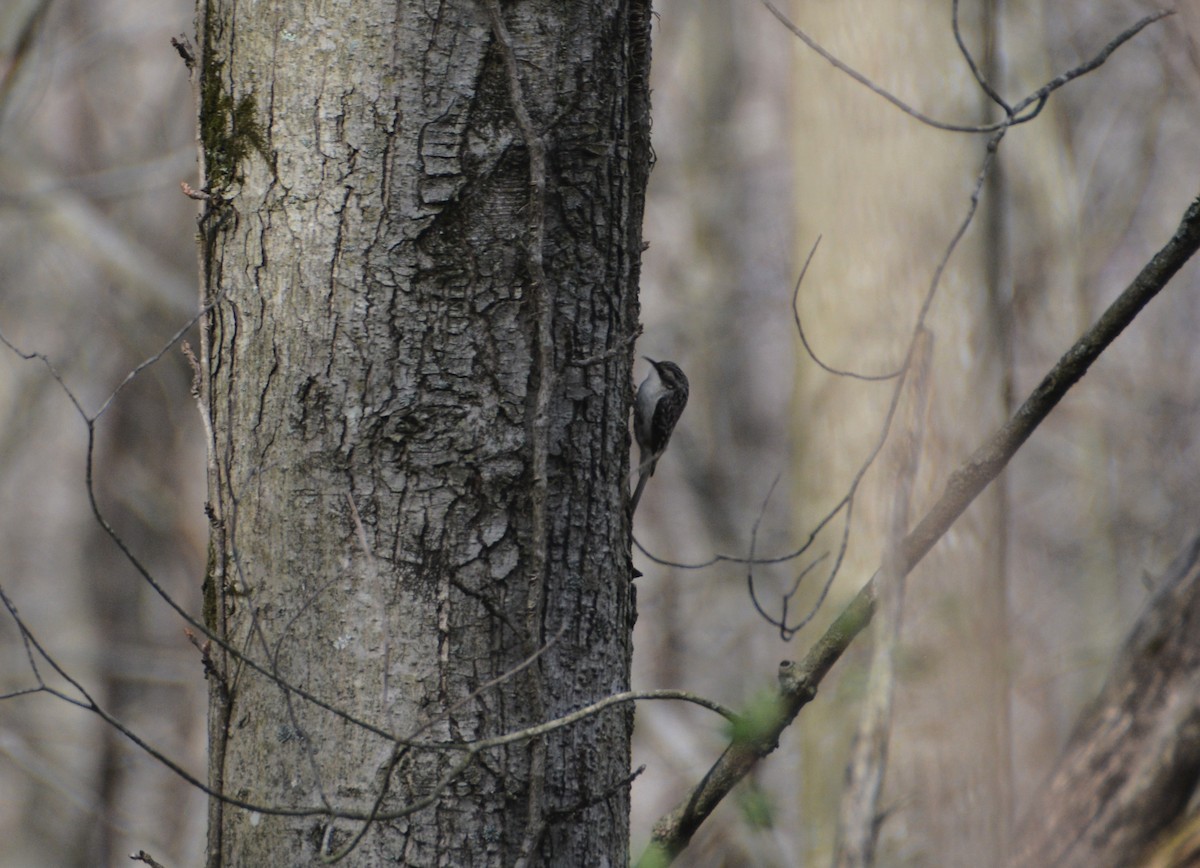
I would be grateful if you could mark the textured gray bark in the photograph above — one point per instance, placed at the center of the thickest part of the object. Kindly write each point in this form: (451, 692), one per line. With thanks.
(1133, 761)
(372, 378)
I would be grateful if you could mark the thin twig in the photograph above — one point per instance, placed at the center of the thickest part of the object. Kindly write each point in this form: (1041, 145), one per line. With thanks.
(876, 89)
(469, 750)
(980, 79)
(804, 338)
(1018, 114)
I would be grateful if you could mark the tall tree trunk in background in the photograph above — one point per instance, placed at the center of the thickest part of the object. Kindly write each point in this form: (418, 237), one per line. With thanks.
(372, 374)
(946, 791)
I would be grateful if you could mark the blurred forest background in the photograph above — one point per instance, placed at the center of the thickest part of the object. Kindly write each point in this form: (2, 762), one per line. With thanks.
(762, 146)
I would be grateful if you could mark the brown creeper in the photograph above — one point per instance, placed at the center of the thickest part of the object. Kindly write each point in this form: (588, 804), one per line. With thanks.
(660, 401)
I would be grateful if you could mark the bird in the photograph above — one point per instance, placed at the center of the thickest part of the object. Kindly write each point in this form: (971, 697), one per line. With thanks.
(660, 401)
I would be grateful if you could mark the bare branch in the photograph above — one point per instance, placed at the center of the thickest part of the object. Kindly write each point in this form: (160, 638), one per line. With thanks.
(876, 89)
(1013, 116)
(143, 856)
(597, 707)
(1039, 96)
(799, 682)
(469, 750)
(804, 338)
(980, 79)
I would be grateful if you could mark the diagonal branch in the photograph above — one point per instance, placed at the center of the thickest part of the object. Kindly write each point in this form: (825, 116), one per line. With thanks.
(798, 682)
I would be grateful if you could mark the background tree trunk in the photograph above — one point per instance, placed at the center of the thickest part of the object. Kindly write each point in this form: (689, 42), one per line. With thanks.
(373, 386)
(946, 791)
(1132, 763)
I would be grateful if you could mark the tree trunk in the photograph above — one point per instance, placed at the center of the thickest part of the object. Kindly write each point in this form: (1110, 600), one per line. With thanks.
(946, 790)
(1133, 761)
(418, 392)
